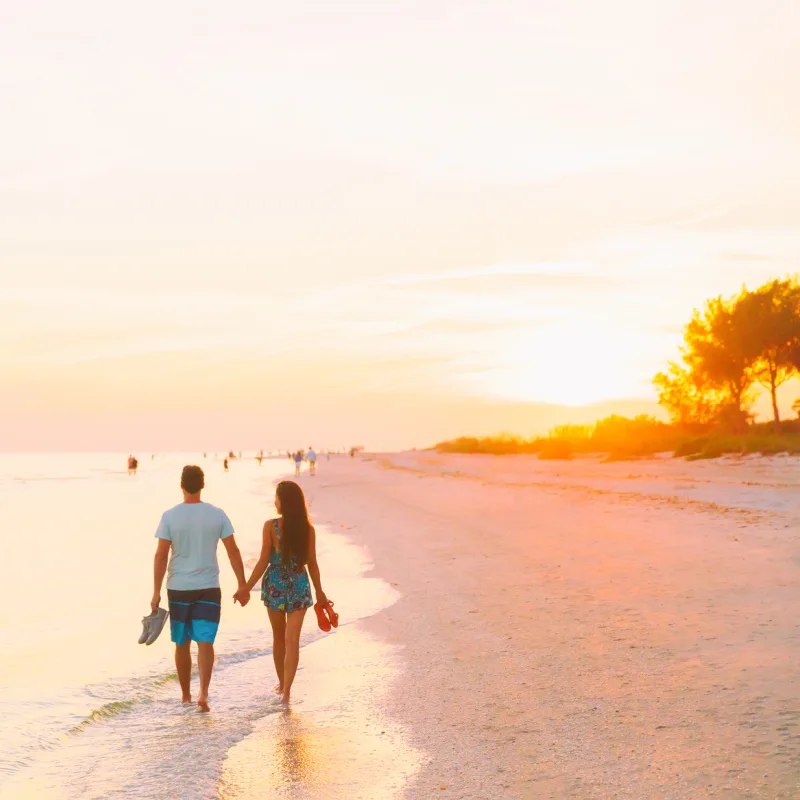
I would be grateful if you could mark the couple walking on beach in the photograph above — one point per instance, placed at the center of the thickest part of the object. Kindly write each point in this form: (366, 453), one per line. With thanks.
(188, 535)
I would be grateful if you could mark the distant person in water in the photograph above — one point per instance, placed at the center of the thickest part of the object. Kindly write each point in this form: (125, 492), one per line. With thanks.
(225, 465)
(298, 461)
(312, 461)
(133, 465)
(188, 535)
(288, 545)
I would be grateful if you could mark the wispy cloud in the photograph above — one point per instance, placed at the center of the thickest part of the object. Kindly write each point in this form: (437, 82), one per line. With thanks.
(557, 274)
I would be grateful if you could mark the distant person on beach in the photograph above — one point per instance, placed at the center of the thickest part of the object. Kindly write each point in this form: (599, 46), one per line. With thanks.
(191, 531)
(298, 461)
(312, 461)
(225, 465)
(288, 545)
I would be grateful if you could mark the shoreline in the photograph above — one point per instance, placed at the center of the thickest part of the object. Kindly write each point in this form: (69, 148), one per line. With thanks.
(118, 718)
(511, 628)
(563, 638)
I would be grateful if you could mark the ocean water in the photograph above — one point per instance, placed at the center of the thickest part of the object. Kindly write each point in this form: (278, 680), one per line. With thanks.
(85, 711)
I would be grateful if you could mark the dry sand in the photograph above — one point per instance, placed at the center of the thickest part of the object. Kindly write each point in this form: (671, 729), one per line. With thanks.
(585, 630)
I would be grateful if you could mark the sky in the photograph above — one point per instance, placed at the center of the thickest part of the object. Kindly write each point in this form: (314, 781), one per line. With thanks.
(254, 224)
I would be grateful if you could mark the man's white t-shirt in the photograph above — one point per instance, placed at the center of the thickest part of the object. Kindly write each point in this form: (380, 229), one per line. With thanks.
(194, 530)
(312, 456)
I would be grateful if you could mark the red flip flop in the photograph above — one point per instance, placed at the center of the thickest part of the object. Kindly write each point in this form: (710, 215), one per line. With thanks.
(322, 620)
(332, 615)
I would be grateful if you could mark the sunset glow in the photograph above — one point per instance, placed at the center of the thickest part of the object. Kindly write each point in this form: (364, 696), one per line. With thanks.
(427, 205)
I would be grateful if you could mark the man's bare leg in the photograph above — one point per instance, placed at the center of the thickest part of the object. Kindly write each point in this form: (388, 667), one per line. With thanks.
(205, 666)
(294, 624)
(183, 663)
(278, 621)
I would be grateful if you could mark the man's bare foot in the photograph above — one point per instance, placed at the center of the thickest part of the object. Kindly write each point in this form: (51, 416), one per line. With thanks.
(202, 704)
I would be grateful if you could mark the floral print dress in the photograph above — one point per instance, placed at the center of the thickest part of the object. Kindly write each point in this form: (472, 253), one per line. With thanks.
(285, 588)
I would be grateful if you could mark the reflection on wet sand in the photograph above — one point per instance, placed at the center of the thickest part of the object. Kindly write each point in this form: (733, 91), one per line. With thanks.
(336, 742)
(298, 757)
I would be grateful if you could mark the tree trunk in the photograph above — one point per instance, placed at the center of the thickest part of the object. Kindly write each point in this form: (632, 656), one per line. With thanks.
(776, 416)
(773, 390)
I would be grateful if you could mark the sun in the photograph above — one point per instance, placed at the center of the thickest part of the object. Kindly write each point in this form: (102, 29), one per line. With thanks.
(571, 365)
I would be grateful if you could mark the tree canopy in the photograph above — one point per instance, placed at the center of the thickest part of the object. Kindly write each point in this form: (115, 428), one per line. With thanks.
(729, 348)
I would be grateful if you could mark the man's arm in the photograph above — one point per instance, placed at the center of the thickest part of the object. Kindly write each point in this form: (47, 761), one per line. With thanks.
(159, 570)
(235, 557)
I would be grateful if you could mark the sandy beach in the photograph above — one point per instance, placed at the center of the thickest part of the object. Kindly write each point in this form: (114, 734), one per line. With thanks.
(581, 629)
(510, 628)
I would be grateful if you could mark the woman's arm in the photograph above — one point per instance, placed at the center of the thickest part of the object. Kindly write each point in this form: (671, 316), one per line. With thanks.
(313, 566)
(263, 560)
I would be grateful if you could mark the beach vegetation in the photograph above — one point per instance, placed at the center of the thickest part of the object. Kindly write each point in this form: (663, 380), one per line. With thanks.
(730, 348)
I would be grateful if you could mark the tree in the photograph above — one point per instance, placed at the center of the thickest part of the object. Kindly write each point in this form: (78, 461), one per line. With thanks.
(769, 320)
(689, 401)
(717, 353)
(714, 382)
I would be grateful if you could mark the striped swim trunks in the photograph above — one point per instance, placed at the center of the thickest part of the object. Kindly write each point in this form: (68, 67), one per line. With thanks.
(194, 615)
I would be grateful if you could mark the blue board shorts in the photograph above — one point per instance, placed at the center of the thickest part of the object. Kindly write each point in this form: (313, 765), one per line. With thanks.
(194, 615)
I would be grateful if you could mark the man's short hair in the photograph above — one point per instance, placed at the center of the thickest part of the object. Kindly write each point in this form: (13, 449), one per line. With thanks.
(192, 479)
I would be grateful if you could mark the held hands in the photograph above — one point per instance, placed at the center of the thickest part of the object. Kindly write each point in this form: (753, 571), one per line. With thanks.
(242, 595)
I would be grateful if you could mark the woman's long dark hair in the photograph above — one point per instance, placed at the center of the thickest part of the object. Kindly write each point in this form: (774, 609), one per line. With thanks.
(296, 526)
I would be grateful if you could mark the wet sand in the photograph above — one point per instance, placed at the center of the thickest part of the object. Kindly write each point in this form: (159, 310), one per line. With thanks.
(580, 629)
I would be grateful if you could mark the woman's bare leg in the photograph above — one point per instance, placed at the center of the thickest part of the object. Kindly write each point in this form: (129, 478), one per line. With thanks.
(294, 624)
(278, 621)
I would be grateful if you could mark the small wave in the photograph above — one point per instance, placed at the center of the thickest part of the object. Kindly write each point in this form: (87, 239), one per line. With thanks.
(116, 707)
(105, 712)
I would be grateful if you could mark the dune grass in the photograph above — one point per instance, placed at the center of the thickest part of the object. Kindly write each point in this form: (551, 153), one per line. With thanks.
(620, 438)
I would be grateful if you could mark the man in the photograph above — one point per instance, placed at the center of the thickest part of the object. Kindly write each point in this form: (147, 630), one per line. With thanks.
(192, 530)
(312, 461)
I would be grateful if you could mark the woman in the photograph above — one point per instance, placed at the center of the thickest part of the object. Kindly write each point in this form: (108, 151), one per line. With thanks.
(298, 461)
(288, 545)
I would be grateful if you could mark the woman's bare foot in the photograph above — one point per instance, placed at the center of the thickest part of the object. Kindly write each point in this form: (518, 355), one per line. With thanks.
(202, 704)
(285, 698)
(277, 689)
(186, 699)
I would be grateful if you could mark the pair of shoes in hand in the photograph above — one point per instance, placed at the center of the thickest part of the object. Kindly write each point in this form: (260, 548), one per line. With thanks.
(152, 625)
(326, 616)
